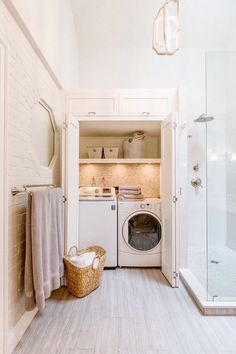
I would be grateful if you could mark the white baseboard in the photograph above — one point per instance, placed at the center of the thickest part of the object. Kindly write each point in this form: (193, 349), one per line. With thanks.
(17, 332)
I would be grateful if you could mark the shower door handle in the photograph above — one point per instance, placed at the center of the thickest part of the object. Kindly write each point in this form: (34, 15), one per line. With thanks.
(196, 182)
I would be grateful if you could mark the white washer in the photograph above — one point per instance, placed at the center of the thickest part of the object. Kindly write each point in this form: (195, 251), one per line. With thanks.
(98, 220)
(139, 233)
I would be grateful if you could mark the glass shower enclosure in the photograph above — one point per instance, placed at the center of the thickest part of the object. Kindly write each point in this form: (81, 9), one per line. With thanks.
(211, 190)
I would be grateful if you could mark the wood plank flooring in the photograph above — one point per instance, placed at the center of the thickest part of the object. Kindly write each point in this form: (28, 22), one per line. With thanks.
(134, 311)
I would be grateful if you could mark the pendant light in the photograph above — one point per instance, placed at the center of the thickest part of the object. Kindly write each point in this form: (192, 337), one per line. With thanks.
(166, 29)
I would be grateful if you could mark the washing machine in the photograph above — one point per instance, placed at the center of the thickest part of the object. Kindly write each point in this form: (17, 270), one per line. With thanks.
(139, 233)
(98, 220)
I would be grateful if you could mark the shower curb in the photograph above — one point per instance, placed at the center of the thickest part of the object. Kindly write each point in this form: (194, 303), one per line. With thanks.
(198, 294)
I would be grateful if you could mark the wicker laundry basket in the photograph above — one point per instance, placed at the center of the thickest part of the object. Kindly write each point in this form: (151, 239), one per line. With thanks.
(81, 281)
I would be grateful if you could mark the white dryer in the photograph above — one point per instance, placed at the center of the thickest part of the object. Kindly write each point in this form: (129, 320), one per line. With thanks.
(139, 233)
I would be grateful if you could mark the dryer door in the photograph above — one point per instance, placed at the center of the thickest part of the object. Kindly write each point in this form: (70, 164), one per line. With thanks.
(142, 231)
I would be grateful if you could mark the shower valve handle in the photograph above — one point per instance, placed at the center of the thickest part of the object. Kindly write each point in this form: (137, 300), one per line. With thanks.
(196, 182)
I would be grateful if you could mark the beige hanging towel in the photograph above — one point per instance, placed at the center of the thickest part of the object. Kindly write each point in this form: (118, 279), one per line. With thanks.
(44, 246)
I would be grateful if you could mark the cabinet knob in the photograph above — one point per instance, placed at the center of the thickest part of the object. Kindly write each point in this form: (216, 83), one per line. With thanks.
(92, 113)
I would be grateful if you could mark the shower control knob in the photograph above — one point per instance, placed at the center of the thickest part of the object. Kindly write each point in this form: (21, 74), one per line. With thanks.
(142, 206)
(196, 182)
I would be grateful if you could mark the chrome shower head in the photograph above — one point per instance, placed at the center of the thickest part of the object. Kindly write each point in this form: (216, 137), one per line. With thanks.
(203, 118)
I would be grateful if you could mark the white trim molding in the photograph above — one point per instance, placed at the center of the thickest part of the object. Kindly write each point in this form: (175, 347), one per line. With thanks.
(3, 201)
(18, 331)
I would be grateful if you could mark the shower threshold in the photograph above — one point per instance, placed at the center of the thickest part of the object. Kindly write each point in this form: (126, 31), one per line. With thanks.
(225, 307)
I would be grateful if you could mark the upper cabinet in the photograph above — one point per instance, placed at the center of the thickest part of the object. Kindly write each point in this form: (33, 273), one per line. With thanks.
(90, 103)
(121, 104)
(145, 103)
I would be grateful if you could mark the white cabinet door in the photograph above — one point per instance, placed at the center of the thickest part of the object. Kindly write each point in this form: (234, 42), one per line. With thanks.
(70, 174)
(100, 103)
(168, 195)
(145, 103)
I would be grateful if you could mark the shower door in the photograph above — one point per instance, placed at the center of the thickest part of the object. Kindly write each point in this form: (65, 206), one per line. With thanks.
(221, 175)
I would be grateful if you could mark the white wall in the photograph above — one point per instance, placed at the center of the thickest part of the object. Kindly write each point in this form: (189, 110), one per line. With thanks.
(142, 68)
(115, 40)
(128, 24)
(115, 51)
(51, 24)
(216, 145)
(28, 81)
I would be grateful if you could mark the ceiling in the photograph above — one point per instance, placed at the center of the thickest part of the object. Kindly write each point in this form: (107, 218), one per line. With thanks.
(115, 128)
(128, 23)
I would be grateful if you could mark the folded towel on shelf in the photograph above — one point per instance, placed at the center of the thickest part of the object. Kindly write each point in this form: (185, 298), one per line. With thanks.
(131, 197)
(84, 260)
(129, 192)
(44, 246)
(132, 188)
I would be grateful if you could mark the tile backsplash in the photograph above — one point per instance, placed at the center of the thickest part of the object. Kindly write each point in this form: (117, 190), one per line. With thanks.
(146, 176)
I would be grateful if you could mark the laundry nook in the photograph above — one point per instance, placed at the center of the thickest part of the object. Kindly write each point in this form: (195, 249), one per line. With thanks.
(119, 173)
(117, 177)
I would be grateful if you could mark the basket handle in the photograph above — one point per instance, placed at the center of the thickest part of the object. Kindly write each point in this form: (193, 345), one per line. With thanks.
(94, 266)
(69, 254)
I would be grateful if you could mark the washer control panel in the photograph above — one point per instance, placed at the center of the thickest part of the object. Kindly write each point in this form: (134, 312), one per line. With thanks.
(153, 207)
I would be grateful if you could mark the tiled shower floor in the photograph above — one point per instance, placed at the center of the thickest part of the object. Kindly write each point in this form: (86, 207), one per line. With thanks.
(221, 276)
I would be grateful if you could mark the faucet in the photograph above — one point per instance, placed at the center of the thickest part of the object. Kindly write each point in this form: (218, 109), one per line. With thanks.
(103, 182)
(93, 182)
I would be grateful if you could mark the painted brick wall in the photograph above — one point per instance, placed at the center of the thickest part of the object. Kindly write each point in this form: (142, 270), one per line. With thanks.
(28, 81)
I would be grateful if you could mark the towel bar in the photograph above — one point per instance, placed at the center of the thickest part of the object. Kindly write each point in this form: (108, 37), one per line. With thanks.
(24, 188)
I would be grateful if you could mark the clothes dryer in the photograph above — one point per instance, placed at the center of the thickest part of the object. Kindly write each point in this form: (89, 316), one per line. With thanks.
(139, 233)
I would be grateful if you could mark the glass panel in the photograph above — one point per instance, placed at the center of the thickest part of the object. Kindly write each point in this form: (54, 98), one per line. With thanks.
(196, 211)
(221, 175)
(144, 232)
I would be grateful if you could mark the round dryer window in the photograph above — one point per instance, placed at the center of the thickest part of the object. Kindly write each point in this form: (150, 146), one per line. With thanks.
(144, 232)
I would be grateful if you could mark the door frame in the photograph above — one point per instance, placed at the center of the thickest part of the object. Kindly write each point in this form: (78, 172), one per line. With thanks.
(3, 200)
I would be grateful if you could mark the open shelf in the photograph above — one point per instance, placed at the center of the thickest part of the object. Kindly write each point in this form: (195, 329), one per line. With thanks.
(154, 161)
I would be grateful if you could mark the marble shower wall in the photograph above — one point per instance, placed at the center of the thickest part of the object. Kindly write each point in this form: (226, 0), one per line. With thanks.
(146, 176)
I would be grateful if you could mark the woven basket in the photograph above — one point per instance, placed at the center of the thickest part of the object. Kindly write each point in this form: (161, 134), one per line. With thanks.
(134, 148)
(81, 281)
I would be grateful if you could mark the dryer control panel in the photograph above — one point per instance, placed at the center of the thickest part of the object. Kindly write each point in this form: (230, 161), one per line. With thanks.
(151, 206)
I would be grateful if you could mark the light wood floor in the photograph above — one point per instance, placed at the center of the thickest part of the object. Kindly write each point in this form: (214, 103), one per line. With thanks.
(134, 311)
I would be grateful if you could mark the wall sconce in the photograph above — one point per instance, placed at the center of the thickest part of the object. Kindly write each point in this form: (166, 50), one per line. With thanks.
(166, 29)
